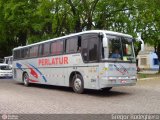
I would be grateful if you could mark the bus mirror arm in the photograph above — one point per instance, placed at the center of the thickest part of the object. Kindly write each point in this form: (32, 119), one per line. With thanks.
(105, 41)
(142, 43)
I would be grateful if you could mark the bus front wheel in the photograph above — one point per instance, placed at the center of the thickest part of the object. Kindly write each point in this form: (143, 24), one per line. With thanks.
(26, 79)
(78, 84)
(107, 89)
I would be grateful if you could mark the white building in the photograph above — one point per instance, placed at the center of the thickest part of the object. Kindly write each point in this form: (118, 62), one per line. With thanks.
(148, 59)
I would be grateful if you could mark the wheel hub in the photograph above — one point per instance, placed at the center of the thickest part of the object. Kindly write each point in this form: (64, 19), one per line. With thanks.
(77, 84)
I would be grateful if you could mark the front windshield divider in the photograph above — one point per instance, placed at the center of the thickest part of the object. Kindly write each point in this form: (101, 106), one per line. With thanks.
(121, 49)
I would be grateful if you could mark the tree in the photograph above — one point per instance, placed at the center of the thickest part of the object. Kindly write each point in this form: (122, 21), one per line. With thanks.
(31, 21)
(148, 23)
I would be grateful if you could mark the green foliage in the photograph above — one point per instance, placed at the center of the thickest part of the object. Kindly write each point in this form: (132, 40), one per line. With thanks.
(31, 21)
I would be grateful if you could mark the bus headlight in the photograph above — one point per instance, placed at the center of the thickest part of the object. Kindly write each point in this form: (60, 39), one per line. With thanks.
(112, 78)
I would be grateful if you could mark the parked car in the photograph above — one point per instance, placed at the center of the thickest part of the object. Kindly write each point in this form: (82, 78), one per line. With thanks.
(5, 71)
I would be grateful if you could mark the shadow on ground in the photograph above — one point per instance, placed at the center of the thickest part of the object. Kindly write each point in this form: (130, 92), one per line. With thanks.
(88, 92)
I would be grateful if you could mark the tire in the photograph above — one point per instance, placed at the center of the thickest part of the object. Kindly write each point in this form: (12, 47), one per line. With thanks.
(107, 89)
(26, 79)
(78, 84)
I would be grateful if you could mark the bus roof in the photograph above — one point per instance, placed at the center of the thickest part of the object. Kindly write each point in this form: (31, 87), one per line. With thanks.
(74, 34)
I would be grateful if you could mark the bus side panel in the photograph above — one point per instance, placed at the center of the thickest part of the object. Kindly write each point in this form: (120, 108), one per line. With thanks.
(89, 72)
(17, 75)
(91, 78)
(89, 75)
(45, 71)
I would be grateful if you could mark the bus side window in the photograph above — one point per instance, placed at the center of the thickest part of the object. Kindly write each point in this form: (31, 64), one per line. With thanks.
(72, 45)
(93, 48)
(17, 54)
(24, 53)
(33, 51)
(90, 47)
(46, 49)
(53, 48)
(57, 48)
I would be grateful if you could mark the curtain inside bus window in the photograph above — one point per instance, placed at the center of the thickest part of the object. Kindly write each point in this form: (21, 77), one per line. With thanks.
(53, 48)
(46, 49)
(72, 45)
(33, 51)
(57, 47)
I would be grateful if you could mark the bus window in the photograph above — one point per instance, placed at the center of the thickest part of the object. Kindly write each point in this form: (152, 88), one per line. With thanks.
(90, 48)
(46, 49)
(17, 54)
(115, 51)
(24, 53)
(54, 48)
(128, 53)
(33, 51)
(72, 45)
(57, 47)
(93, 47)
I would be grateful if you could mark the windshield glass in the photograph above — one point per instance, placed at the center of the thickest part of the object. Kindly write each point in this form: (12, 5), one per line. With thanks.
(119, 48)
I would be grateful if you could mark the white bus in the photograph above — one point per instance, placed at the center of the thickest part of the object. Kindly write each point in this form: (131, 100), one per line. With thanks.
(95, 59)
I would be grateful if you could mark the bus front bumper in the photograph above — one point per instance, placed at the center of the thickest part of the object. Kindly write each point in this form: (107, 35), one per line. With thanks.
(117, 81)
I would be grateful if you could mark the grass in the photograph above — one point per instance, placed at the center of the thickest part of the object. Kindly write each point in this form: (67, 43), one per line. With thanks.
(142, 75)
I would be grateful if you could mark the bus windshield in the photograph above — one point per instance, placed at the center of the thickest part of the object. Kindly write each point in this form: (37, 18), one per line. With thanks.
(119, 48)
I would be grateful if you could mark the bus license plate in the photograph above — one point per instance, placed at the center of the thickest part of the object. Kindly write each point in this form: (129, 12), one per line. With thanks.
(123, 81)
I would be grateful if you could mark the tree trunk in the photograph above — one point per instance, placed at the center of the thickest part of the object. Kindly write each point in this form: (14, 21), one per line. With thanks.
(137, 49)
(76, 16)
(22, 37)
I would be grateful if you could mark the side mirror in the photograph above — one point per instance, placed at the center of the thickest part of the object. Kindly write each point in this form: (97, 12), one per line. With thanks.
(105, 42)
(142, 46)
(142, 43)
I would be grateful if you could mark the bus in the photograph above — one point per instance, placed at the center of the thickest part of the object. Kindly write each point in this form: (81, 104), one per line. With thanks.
(94, 59)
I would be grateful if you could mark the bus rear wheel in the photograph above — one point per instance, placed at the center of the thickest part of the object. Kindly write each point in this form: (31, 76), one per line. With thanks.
(26, 79)
(78, 84)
